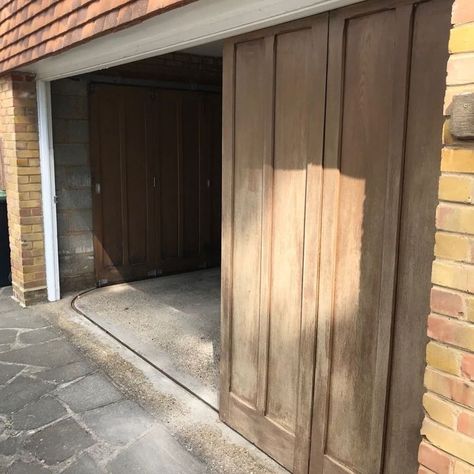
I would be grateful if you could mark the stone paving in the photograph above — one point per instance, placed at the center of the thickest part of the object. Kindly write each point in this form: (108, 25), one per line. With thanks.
(60, 413)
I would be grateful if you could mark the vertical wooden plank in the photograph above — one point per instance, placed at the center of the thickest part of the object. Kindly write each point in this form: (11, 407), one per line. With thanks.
(267, 215)
(96, 173)
(190, 173)
(249, 153)
(136, 175)
(312, 233)
(331, 175)
(292, 129)
(168, 120)
(216, 177)
(391, 231)
(205, 178)
(363, 158)
(228, 120)
(122, 165)
(420, 183)
(106, 119)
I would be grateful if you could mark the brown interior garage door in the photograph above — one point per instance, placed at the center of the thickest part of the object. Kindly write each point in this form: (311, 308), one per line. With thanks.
(156, 171)
(328, 248)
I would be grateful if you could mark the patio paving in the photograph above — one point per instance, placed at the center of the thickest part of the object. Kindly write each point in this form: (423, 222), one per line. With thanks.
(60, 413)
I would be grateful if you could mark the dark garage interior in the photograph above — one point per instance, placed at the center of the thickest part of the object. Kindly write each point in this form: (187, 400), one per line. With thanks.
(138, 179)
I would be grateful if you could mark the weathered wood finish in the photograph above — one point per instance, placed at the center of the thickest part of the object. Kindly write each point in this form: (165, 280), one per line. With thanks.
(383, 127)
(121, 190)
(420, 184)
(341, 241)
(274, 89)
(156, 155)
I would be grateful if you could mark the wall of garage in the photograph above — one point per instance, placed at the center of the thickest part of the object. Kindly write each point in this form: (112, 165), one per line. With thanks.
(70, 113)
(69, 99)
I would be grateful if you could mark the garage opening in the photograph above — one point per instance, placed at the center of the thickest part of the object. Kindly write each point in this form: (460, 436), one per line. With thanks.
(138, 179)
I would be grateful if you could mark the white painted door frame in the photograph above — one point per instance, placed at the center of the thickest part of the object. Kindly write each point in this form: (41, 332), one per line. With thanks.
(48, 188)
(197, 23)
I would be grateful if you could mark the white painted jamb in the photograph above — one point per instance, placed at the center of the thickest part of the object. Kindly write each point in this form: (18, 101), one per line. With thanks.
(48, 188)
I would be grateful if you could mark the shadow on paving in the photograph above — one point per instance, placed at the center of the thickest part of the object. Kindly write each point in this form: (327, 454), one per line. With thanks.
(60, 413)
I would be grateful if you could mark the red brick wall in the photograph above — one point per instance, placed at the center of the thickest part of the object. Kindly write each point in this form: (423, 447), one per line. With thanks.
(448, 428)
(34, 29)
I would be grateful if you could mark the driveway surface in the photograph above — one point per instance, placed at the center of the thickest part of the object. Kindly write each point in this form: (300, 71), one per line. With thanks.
(60, 413)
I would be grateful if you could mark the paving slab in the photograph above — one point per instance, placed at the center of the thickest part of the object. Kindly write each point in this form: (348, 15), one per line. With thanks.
(21, 319)
(88, 393)
(9, 446)
(8, 371)
(37, 414)
(7, 336)
(20, 392)
(49, 354)
(84, 465)
(6, 301)
(59, 442)
(37, 336)
(152, 452)
(130, 417)
(21, 467)
(67, 373)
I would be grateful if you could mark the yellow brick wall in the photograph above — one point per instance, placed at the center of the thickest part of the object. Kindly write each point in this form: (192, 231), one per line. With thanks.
(20, 153)
(448, 428)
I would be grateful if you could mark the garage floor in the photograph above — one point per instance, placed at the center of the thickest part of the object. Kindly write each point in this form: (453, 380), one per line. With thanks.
(172, 321)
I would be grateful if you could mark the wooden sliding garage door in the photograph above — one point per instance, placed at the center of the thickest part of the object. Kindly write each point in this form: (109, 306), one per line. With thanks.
(156, 181)
(328, 221)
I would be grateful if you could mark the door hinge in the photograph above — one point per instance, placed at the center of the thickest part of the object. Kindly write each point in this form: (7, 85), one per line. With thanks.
(155, 182)
(97, 188)
(55, 199)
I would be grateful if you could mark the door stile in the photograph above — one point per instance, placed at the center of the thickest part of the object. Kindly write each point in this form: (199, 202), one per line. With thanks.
(123, 177)
(228, 119)
(329, 216)
(267, 214)
(179, 147)
(404, 18)
(311, 252)
(150, 178)
(97, 210)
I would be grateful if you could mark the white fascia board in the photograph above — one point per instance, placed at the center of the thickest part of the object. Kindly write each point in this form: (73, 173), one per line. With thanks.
(194, 24)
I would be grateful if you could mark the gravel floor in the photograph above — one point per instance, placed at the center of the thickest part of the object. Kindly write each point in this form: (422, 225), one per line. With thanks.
(173, 321)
